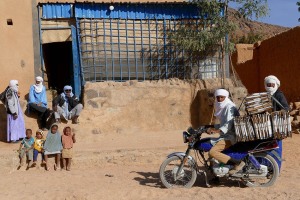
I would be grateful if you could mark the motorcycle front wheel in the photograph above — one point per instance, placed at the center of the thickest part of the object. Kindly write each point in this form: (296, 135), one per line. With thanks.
(171, 177)
(270, 178)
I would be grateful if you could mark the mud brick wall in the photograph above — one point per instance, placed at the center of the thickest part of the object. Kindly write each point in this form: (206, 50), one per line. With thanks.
(277, 56)
(165, 104)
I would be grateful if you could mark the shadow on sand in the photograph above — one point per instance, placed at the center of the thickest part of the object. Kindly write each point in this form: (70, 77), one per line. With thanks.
(151, 179)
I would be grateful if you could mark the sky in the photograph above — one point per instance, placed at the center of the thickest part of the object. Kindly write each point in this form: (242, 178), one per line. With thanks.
(282, 12)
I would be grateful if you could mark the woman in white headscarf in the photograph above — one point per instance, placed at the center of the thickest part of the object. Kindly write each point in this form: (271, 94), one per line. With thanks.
(225, 111)
(15, 119)
(37, 101)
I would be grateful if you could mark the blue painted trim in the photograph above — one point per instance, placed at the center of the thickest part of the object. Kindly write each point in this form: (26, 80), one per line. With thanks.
(119, 49)
(112, 51)
(165, 59)
(126, 27)
(176, 52)
(105, 56)
(134, 51)
(41, 44)
(80, 52)
(54, 11)
(150, 49)
(142, 53)
(137, 11)
(157, 47)
(76, 66)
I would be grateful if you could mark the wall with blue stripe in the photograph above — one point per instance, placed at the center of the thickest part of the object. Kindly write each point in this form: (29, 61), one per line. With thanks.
(122, 11)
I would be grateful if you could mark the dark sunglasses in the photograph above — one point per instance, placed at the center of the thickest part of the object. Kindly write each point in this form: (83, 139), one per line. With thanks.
(68, 90)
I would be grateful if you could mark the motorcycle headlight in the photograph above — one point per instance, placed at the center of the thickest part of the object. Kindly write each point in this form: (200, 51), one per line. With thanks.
(185, 137)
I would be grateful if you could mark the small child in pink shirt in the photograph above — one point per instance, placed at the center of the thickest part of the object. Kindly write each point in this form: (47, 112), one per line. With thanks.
(68, 139)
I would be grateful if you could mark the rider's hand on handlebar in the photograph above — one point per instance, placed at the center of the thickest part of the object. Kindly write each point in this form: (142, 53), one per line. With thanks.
(211, 131)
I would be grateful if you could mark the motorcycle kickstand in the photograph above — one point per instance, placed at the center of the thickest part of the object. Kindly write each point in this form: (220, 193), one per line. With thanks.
(206, 180)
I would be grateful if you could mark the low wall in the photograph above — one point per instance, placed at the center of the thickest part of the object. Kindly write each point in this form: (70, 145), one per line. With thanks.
(135, 106)
(277, 56)
(152, 105)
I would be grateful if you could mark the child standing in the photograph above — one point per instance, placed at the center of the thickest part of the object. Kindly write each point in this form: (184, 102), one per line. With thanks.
(38, 146)
(26, 148)
(53, 146)
(67, 141)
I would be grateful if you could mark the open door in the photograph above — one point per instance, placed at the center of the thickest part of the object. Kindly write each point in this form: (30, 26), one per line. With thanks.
(58, 64)
(62, 64)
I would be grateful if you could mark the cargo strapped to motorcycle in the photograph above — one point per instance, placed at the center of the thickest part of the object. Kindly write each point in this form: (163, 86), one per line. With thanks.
(260, 122)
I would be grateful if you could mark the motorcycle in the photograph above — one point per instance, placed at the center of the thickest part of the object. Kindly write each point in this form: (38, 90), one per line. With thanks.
(261, 157)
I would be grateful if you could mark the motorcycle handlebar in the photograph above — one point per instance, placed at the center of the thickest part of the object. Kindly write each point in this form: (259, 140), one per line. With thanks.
(198, 131)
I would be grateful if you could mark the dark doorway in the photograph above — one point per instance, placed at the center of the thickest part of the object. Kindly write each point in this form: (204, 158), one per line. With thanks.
(58, 63)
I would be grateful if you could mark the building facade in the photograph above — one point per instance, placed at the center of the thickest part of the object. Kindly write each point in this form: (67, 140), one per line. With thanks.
(71, 42)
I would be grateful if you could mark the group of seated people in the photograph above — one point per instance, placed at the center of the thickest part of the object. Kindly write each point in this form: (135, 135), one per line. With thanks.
(65, 106)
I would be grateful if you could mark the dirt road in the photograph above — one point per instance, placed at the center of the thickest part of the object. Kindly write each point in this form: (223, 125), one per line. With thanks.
(125, 166)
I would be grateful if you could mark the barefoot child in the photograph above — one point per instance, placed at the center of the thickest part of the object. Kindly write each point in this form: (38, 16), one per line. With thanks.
(53, 146)
(67, 141)
(38, 146)
(26, 148)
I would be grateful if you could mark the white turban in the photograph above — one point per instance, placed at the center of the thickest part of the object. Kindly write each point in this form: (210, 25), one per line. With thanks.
(13, 84)
(221, 92)
(38, 88)
(219, 106)
(40, 79)
(68, 87)
(272, 79)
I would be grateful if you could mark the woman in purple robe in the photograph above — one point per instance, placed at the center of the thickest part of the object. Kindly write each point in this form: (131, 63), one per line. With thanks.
(15, 119)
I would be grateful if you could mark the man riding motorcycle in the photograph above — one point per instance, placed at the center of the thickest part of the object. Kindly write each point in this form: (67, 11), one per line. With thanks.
(244, 151)
(225, 111)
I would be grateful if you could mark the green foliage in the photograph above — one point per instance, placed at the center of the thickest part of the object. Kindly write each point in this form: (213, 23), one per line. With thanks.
(250, 8)
(205, 38)
(251, 38)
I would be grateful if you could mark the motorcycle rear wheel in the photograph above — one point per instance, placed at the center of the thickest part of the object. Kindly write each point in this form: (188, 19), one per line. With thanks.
(273, 172)
(168, 173)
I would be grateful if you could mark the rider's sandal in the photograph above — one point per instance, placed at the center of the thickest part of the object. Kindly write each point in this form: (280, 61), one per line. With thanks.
(237, 168)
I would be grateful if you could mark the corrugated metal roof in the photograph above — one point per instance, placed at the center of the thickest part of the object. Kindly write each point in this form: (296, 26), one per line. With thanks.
(120, 11)
(138, 11)
(54, 11)
(112, 1)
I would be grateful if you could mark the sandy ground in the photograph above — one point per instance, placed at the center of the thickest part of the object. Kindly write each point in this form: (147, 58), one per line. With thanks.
(125, 166)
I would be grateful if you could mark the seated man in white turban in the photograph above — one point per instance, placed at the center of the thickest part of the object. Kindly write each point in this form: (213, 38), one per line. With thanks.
(225, 111)
(272, 84)
(67, 106)
(38, 101)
